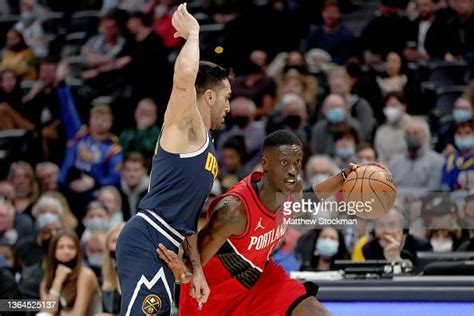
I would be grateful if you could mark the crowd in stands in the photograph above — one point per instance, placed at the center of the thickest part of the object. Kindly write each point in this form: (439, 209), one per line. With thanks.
(84, 86)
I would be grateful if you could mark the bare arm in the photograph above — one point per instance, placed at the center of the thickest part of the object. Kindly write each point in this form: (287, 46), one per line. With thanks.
(192, 252)
(228, 218)
(182, 108)
(87, 287)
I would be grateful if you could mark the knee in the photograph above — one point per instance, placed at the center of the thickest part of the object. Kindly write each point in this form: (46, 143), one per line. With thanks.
(310, 307)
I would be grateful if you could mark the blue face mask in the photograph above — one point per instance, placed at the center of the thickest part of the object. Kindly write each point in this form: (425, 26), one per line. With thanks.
(45, 219)
(464, 142)
(462, 115)
(97, 224)
(336, 115)
(326, 247)
(345, 152)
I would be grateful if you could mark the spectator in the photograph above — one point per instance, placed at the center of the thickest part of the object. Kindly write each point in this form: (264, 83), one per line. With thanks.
(296, 83)
(427, 34)
(8, 253)
(242, 114)
(22, 222)
(22, 177)
(319, 168)
(390, 243)
(94, 250)
(332, 36)
(462, 112)
(67, 279)
(150, 72)
(8, 233)
(339, 83)
(285, 254)
(43, 110)
(48, 205)
(444, 240)
(366, 153)
(32, 249)
(97, 218)
(93, 156)
(458, 167)
(390, 137)
(17, 56)
(419, 169)
(233, 159)
(110, 197)
(163, 12)
(111, 292)
(387, 32)
(393, 79)
(468, 224)
(143, 137)
(134, 182)
(30, 25)
(460, 38)
(257, 86)
(336, 118)
(10, 91)
(47, 174)
(345, 142)
(318, 249)
(70, 219)
(105, 55)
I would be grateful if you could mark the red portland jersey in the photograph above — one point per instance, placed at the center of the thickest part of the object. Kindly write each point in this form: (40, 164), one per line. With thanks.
(245, 256)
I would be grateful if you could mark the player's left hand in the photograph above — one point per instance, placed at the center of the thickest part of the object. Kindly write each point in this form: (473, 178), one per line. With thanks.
(199, 289)
(173, 261)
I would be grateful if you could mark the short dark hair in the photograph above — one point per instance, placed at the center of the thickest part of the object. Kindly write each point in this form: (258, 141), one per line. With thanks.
(346, 131)
(145, 19)
(134, 156)
(281, 138)
(394, 94)
(211, 75)
(363, 146)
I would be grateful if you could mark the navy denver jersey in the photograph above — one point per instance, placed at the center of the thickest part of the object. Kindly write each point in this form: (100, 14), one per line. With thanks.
(180, 184)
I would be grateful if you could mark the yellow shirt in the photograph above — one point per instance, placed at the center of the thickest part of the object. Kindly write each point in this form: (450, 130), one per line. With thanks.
(357, 254)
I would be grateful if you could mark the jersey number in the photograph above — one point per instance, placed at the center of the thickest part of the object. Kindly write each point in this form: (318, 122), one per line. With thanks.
(211, 165)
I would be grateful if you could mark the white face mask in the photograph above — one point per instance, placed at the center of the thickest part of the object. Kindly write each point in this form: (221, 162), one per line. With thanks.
(441, 245)
(392, 113)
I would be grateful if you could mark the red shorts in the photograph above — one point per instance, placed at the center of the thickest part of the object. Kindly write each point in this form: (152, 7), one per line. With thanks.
(272, 295)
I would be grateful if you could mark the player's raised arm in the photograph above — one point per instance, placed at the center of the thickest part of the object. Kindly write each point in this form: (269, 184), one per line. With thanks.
(182, 104)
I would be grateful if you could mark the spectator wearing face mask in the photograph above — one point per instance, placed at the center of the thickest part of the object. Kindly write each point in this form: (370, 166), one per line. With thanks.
(243, 112)
(418, 170)
(32, 254)
(318, 249)
(340, 84)
(110, 197)
(444, 240)
(319, 168)
(97, 219)
(67, 280)
(143, 137)
(366, 153)
(390, 137)
(345, 142)
(94, 250)
(335, 118)
(462, 112)
(12, 231)
(111, 292)
(458, 169)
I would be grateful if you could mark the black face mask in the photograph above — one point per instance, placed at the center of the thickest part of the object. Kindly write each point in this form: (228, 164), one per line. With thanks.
(299, 68)
(71, 264)
(293, 121)
(241, 121)
(112, 255)
(45, 245)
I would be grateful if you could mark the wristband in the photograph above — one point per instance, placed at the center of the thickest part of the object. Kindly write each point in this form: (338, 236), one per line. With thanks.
(343, 175)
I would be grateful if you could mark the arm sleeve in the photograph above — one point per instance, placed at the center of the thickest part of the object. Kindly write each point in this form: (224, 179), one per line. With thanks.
(113, 172)
(69, 116)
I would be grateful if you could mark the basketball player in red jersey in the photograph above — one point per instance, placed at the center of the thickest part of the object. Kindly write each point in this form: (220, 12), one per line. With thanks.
(244, 227)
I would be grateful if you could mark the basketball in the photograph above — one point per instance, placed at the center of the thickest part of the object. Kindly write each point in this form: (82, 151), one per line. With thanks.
(370, 190)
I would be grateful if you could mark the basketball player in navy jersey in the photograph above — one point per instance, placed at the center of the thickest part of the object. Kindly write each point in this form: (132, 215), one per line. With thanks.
(183, 171)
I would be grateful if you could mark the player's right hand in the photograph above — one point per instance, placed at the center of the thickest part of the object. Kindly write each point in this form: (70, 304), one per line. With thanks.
(173, 261)
(184, 22)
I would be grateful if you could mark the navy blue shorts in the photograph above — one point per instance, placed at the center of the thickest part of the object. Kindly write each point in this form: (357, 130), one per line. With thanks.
(147, 283)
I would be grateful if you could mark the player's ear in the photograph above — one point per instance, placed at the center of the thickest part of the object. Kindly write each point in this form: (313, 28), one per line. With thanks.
(210, 96)
(264, 164)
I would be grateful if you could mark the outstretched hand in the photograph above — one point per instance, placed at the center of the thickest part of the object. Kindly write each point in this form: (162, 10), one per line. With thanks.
(173, 261)
(184, 22)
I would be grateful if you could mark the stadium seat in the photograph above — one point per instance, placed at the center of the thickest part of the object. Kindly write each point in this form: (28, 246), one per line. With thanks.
(54, 23)
(446, 73)
(84, 21)
(13, 147)
(445, 98)
(73, 44)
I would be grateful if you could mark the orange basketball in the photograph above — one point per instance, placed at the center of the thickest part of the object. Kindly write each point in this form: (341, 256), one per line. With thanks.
(369, 190)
